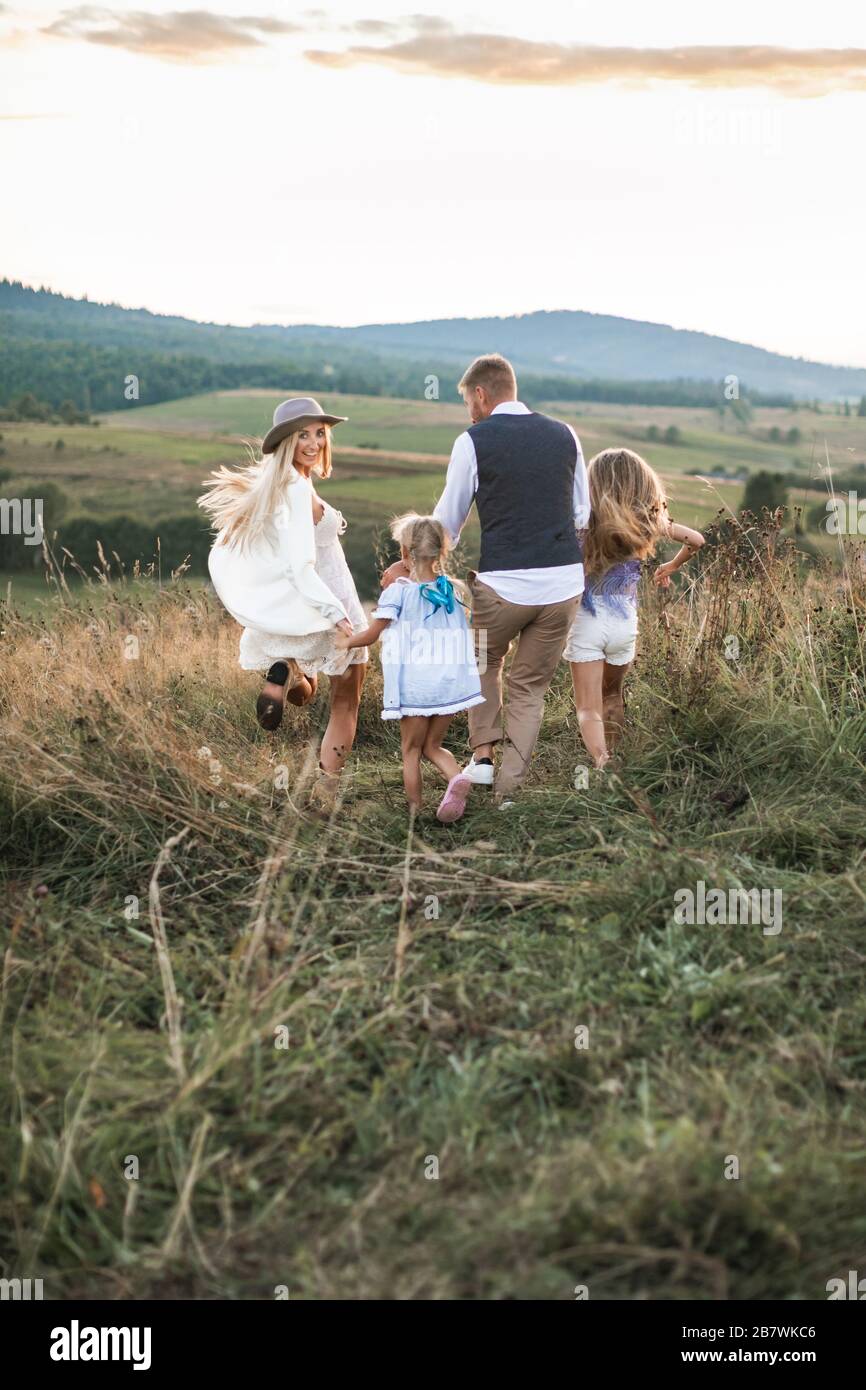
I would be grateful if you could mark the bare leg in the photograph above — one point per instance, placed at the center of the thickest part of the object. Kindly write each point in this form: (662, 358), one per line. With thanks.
(272, 691)
(345, 698)
(413, 734)
(586, 677)
(613, 710)
(304, 691)
(436, 754)
(298, 690)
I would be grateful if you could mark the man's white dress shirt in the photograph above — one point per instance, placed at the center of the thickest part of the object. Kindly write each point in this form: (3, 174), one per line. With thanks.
(532, 586)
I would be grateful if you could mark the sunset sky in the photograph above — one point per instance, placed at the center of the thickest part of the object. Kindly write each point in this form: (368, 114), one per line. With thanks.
(685, 163)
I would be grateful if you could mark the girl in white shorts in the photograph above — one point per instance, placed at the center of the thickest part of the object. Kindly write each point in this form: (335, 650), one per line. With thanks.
(629, 515)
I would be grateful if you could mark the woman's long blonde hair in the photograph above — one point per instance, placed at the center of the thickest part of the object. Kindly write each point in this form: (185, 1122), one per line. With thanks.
(628, 510)
(240, 501)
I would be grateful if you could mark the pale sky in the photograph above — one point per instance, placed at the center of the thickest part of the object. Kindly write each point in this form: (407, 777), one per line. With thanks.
(692, 164)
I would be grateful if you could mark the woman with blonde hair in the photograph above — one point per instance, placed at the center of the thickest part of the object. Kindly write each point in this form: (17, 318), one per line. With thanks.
(628, 517)
(279, 569)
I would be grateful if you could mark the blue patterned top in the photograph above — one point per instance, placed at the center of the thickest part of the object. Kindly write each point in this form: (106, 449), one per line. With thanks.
(616, 588)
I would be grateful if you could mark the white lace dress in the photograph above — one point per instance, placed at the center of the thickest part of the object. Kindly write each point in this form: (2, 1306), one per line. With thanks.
(315, 652)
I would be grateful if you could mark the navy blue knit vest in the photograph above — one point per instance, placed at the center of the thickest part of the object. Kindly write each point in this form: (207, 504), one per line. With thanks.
(525, 496)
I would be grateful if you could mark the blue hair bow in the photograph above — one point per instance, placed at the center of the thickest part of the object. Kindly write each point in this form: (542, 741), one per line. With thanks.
(440, 594)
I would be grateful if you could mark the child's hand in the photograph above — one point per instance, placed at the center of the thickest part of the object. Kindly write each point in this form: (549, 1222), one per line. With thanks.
(663, 574)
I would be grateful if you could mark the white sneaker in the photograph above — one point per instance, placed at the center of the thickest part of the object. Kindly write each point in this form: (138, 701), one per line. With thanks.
(479, 773)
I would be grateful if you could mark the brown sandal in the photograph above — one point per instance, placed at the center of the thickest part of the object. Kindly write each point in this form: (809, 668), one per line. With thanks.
(270, 708)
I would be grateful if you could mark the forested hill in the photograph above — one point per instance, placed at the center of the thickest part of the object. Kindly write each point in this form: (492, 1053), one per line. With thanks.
(582, 345)
(60, 349)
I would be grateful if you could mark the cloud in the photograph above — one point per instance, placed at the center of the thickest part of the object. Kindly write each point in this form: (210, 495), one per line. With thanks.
(182, 36)
(433, 47)
(393, 28)
(429, 45)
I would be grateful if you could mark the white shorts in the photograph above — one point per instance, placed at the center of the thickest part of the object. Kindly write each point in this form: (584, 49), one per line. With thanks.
(603, 636)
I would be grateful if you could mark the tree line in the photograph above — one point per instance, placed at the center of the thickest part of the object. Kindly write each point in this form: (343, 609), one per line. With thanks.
(66, 353)
(39, 380)
(129, 543)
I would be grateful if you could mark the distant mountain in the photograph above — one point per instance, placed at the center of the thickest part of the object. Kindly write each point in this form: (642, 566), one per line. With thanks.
(573, 343)
(60, 348)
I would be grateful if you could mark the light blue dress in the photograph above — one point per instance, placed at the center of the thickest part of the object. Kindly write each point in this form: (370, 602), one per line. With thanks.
(428, 660)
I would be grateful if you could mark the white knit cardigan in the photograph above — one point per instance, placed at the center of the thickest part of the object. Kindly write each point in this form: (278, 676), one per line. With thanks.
(272, 584)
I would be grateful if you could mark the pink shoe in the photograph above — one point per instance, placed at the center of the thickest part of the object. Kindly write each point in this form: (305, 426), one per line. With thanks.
(453, 803)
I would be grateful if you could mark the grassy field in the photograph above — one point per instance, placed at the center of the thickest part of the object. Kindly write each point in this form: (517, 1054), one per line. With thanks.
(422, 426)
(36, 594)
(150, 462)
(247, 1046)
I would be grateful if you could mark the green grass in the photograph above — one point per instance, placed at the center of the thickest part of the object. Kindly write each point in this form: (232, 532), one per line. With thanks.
(422, 426)
(431, 979)
(150, 462)
(36, 595)
(376, 422)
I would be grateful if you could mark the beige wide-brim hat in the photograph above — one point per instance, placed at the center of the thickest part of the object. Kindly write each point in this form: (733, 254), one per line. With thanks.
(293, 415)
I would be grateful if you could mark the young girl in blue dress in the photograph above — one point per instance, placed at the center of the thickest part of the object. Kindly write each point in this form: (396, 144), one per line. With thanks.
(428, 662)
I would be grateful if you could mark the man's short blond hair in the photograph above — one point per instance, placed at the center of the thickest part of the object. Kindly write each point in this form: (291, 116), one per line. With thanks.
(494, 372)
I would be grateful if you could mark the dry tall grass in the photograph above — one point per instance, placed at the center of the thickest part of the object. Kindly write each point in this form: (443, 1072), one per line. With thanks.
(172, 906)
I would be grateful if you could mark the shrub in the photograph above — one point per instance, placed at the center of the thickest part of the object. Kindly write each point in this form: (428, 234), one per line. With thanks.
(765, 490)
(16, 553)
(163, 545)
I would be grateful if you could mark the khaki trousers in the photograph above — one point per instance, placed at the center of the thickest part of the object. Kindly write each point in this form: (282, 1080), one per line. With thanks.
(541, 630)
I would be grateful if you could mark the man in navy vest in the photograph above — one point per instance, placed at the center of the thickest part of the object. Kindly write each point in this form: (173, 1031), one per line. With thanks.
(526, 476)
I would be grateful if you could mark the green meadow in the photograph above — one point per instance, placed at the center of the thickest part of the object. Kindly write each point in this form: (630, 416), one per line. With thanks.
(149, 462)
(249, 1047)
(357, 1057)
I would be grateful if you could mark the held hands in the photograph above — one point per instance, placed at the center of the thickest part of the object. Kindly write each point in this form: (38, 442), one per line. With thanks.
(343, 635)
(394, 572)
